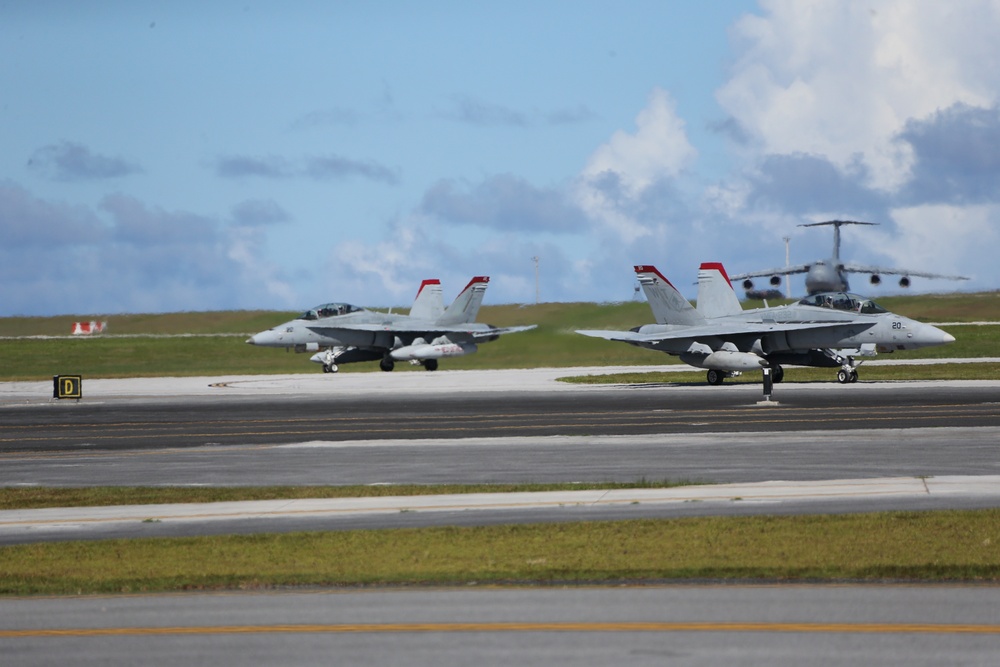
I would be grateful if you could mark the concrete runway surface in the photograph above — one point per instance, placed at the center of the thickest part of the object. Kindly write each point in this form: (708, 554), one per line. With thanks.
(950, 464)
(592, 626)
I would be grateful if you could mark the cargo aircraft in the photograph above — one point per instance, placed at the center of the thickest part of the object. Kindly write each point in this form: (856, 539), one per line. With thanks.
(830, 275)
(826, 330)
(340, 333)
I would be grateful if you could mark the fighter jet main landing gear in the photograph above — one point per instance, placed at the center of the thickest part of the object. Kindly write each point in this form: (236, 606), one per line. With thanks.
(846, 376)
(431, 364)
(715, 377)
(777, 373)
(387, 364)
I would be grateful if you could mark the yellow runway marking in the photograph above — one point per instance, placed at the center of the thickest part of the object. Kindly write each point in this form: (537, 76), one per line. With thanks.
(357, 628)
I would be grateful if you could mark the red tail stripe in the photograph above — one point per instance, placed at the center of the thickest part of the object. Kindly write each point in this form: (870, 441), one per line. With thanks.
(717, 266)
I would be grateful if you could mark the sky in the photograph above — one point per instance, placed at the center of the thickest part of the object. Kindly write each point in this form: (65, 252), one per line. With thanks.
(182, 156)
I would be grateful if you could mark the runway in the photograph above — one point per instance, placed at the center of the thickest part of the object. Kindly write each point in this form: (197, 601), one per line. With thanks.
(488, 427)
(197, 412)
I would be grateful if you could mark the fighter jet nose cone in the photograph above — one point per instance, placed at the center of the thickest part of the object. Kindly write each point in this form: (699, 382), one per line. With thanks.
(948, 338)
(251, 341)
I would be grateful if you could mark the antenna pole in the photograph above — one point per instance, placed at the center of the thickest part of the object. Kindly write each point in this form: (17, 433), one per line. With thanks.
(535, 260)
(788, 263)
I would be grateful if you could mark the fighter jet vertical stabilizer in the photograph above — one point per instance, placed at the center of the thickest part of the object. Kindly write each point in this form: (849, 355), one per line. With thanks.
(667, 304)
(465, 307)
(716, 297)
(428, 304)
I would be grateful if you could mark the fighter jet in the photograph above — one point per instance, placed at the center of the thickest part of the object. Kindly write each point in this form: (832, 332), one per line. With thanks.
(830, 275)
(341, 333)
(826, 330)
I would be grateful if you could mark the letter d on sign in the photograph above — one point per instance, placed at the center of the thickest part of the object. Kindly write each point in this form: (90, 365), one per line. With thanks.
(67, 386)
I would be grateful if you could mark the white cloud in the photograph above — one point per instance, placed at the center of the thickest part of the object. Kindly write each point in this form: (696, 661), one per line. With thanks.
(620, 171)
(70, 161)
(659, 148)
(128, 256)
(841, 79)
(944, 238)
(385, 271)
(504, 202)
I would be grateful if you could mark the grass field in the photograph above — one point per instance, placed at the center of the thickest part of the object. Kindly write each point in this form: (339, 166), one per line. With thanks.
(896, 546)
(129, 349)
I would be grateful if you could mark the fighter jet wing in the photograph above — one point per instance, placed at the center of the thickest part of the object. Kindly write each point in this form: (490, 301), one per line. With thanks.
(783, 271)
(468, 333)
(496, 331)
(425, 330)
(729, 330)
(860, 268)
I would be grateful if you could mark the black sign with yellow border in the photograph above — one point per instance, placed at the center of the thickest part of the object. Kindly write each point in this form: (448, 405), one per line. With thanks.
(67, 386)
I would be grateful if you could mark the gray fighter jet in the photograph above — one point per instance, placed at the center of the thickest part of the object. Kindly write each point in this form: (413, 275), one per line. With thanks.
(826, 330)
(340, 333)
(830, 275)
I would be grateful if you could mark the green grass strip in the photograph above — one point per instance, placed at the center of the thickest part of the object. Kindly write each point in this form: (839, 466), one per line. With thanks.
(899, 546)
(969, 371)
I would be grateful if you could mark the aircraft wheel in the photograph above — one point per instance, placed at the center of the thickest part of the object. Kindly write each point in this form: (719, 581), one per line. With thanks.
(854, 376)
(387, 364)
(843, 377)
(326, 368)
(431, 364)
(777, 374)
(715, 377)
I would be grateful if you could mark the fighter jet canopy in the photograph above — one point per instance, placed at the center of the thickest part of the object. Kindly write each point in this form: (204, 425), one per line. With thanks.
(843, 301)
(328, 310)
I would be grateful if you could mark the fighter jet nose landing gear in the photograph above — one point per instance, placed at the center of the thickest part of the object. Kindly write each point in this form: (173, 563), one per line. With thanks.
(328, 359)
(848, 369)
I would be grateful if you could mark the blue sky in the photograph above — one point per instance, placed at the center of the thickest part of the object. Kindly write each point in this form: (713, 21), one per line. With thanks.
(163, 156)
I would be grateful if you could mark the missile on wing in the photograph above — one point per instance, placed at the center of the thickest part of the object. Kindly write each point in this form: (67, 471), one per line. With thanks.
(433, 351)
(725, 360)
